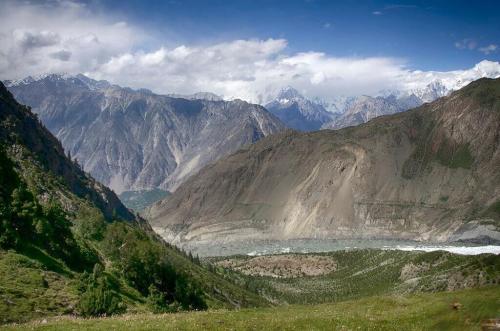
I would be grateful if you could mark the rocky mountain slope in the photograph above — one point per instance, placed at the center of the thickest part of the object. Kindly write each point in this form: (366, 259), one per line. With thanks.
(429, 174)
(298, 112)
(136, 140)
(35, 147)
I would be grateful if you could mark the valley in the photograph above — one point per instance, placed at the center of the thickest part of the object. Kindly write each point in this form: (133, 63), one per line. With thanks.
(297, 223)
(249, 165)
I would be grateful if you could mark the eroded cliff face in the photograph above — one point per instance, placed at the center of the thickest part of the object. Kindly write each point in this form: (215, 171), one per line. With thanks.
(431, 174)
(137, 140)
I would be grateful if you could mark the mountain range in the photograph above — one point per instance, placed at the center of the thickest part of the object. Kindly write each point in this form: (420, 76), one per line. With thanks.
(336, 112)
(303, 114)
(430, 174)
(135, 139)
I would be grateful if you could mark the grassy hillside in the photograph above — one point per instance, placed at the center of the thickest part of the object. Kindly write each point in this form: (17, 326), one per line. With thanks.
(462, 310)
(361, 273)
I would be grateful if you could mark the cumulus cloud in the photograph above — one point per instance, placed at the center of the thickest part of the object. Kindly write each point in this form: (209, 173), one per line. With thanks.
(41, 37)
(249, 69)
(64, 36)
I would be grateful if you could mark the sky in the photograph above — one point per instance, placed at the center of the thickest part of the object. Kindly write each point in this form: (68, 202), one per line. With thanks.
(249, 49)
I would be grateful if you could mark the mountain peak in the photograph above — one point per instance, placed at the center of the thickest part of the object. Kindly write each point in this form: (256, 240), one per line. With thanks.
(287, 94)
(209, 96)
(59, 77)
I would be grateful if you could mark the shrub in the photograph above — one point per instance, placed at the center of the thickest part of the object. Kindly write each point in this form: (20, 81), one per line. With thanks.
(98, 299)
(158, 303)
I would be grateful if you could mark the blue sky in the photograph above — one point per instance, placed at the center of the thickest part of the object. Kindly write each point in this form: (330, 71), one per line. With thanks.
(251, 49)
(422, 32)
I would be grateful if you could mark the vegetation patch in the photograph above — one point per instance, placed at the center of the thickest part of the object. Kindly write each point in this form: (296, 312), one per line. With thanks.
(362, 273)
(486, 92)
(444, 152)
(455, 156)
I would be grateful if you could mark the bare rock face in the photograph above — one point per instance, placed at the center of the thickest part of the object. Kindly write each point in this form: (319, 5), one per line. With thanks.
(21, 131)
(426, 174)
(136, 140)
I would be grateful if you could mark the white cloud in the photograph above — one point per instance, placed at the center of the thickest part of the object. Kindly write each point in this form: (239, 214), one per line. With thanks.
(248, 69)
(59, 36)
(69, 37)
(451, 79)
(488, 49)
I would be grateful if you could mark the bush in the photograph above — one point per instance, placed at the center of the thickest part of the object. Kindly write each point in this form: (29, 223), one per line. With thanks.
(158, 303)
(98, 299)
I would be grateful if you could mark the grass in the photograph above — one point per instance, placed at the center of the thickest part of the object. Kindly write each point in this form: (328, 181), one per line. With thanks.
(34, 285)
(416, 312)
(29, 290)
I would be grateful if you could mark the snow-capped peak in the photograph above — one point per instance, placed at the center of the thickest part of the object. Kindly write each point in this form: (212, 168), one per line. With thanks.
(36, 78)
(288, 94)
(59, 77)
